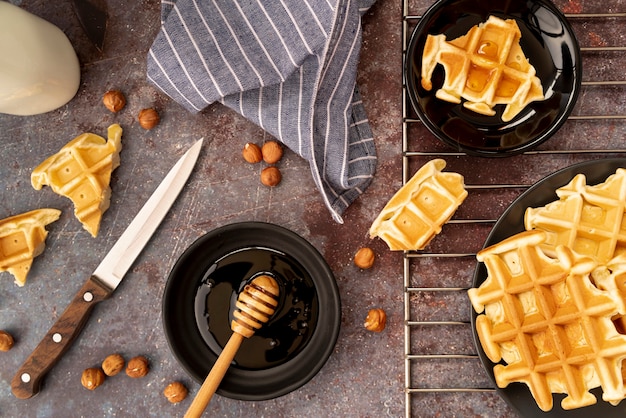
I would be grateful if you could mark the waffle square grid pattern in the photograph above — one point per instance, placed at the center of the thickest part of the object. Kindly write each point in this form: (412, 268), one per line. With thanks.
(81, 171)
(553, 304)
(588, 219)
(486, 67)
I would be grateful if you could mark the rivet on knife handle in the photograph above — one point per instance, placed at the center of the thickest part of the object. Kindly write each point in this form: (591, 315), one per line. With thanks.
(27, 380)
(106, 277)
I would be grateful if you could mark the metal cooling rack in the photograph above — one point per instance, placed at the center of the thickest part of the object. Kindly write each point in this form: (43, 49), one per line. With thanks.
(438, 279)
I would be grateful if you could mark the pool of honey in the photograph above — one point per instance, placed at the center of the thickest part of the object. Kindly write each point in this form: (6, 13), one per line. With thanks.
(286, 333)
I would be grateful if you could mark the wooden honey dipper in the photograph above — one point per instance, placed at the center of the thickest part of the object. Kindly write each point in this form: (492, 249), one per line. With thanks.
(254, 305)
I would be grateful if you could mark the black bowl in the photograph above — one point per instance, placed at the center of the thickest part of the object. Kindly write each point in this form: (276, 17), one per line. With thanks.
(517, 395)
(547, 41)
(199, 300)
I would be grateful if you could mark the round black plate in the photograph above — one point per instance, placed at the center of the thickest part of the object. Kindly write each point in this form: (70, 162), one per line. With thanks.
(194, 352)
(547, 41)
(511, 222)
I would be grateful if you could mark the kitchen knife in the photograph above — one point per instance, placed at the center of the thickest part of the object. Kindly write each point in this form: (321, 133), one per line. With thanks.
(104, 279)
(92, 16)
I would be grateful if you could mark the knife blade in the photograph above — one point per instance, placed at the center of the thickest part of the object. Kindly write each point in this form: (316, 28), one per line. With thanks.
(105, 278)
(92, 16)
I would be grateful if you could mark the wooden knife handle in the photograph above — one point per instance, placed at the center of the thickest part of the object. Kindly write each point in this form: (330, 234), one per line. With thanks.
(27, 380)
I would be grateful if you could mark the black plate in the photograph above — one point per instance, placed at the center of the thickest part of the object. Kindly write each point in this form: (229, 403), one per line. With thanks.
(271, 375)
(511, 222)
(547, 41)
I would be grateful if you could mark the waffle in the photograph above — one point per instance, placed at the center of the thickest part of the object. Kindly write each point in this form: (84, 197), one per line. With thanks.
(549, 324)
(416, 213)
(611, 277)
(486, 67)
(22, 238)
(587, 219)
(81, 171)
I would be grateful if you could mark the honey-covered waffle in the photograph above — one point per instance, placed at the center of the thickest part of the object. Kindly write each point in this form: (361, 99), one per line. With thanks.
(546, 320)
(81, 171)
(588, 219)
(418, 210)
(22, 238)
(486, 67)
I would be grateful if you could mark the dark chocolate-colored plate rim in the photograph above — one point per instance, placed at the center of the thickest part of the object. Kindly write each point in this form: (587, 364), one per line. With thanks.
(187, 343)
(547, 41)
(517, 395)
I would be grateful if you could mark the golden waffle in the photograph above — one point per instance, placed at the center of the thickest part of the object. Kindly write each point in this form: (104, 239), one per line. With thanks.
(81, 171)
(22, 238)
(588, 219)
(611, 277)
(486, 67)
(416, 213)
(549, 324)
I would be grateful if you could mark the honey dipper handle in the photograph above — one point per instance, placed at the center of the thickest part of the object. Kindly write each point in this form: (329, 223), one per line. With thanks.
(213, 380)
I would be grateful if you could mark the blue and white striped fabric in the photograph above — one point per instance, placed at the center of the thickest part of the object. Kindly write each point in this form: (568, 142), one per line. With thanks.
(287, 65)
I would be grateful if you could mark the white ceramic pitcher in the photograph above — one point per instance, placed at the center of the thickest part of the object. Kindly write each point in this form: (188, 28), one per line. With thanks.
(39, 69)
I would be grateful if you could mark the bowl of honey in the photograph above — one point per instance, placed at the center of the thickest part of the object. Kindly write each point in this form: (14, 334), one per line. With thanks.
(492, 78)
(199, 301)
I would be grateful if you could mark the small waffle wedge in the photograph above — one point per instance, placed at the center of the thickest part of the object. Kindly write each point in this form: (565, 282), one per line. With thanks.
(22, 238)
(544, 318)
(486, 67)
(587, 219)
(81, 171)
(416, 213)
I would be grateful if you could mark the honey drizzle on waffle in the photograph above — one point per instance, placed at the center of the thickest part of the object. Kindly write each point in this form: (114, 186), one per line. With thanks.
(486, 67)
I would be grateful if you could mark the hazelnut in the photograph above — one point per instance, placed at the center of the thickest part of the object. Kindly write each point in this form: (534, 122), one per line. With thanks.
(270, 176)
(364, 258)
(113, 364)
(148, 118)
(175, 392)
(92, 378)
(272, 152)
(252, 153)
(137, 367)
(376, 320)
(114, 100)
(6, 341)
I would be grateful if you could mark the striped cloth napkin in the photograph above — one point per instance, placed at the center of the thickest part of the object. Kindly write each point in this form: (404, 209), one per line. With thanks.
(287, 65)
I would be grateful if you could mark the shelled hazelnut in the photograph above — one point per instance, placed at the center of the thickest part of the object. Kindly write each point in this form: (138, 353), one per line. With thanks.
(6, 341)
(364, 258)
(175, 392)
(270, 176)
(137, 367)
(92, 378)
(148, 118)
(113, 364)
(114, 100)
(376, 320)
(272, 152)
(252, 153)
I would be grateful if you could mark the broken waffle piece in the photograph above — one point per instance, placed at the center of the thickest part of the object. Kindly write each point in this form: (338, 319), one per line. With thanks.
(417, 212)
(81, 171)
(550, 325)
(587, 219)
(486, 67)
(22, 238)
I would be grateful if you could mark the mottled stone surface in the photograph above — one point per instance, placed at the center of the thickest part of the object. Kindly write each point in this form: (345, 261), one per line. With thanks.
(365, 375)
